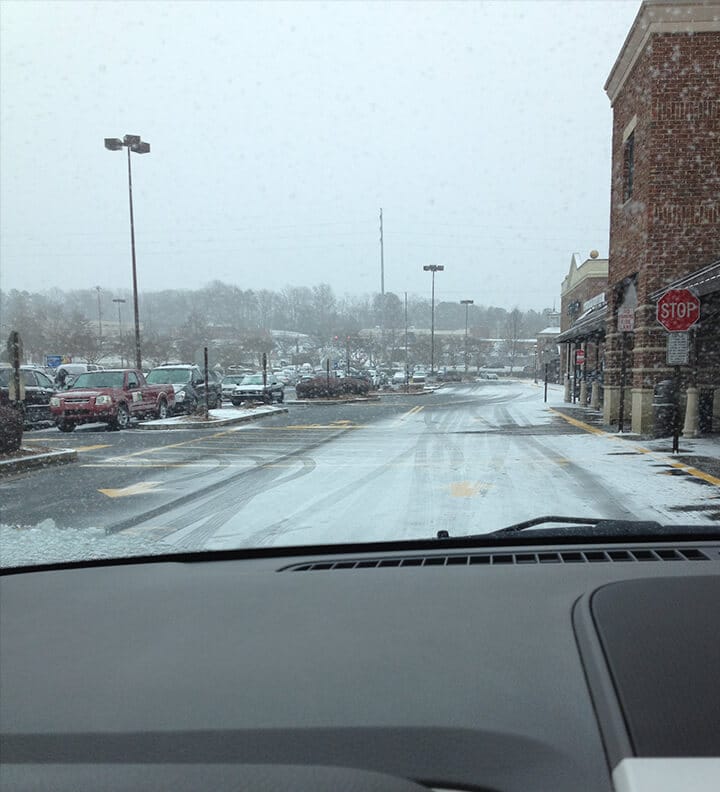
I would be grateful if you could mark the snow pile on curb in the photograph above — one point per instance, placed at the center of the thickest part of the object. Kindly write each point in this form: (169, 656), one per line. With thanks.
(217, 417)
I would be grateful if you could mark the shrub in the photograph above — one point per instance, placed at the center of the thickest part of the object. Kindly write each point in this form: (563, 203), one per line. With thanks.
(320, 387)
(11, 428)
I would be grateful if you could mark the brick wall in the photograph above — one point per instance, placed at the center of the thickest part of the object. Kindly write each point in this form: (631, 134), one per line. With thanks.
(671, 224)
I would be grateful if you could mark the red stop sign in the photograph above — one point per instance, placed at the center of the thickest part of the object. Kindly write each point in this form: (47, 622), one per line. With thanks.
(678, 310)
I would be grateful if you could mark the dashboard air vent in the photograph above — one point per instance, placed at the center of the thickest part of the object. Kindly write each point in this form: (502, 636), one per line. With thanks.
(643, 554)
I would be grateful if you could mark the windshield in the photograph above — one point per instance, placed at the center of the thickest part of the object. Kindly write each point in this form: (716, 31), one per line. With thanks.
(99, 379)
(477, 242)
(169, 376)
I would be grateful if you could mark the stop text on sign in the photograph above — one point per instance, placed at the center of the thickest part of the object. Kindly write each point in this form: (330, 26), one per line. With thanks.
(678, 310)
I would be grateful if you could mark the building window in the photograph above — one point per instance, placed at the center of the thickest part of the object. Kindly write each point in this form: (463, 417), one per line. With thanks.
(628, 166)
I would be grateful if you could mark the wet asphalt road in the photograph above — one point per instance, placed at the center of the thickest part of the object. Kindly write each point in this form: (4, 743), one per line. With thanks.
(467, 458)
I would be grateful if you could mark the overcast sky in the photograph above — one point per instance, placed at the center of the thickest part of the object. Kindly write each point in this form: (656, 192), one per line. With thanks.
(279, 130)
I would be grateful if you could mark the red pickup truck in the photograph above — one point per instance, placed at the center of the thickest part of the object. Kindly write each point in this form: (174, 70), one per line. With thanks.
(111, 396)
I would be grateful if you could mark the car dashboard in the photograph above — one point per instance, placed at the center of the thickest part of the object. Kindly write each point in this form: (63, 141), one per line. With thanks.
(525, 665)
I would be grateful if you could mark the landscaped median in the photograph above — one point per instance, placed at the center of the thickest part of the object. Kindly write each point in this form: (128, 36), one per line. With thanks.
(31, 458)
(223, 416)
(334, 400)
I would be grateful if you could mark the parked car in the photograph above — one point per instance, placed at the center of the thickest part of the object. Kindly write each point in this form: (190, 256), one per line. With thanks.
(252, 389)
(36, 389)
(229, 381)
(399, 378)
(189, 385)
(111, 396)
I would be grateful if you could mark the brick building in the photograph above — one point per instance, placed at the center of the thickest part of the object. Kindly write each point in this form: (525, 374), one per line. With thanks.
(665, 194)
(581, 295)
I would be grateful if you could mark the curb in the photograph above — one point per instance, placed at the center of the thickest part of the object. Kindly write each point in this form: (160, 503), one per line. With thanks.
(42, 460)
(661, 455)
(413, 393)
(213, 423)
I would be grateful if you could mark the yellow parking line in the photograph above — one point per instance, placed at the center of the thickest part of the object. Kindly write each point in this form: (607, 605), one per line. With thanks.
(91, 447)
(579, 424)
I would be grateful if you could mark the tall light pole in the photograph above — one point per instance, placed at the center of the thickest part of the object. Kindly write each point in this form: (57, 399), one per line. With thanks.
(120, 302)
(467, 304)
(432, 268)
(132, 143)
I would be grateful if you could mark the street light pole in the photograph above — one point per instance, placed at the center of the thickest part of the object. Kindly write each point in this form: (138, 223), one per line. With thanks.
(467, 304)
(432, 268)
(120, 302)
(136, 144)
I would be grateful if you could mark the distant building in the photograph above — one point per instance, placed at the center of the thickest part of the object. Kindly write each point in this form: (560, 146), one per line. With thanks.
(584, 282)
(582, 320)
(547, 353)
(665, 202)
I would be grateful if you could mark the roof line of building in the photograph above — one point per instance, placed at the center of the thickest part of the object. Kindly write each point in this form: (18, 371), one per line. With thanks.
(660, 16)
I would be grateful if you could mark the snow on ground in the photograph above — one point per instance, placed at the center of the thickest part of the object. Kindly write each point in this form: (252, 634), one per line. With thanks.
(219, 414)
(470, 466)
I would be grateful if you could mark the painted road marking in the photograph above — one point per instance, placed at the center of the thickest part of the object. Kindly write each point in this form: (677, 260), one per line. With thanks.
(64, 440)
(303, 427)
(468, 489)
(691, 471)
(141, 488)
(413, 411)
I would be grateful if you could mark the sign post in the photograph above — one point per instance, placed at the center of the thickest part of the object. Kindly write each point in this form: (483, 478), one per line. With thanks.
(207, 382)
(677, 311)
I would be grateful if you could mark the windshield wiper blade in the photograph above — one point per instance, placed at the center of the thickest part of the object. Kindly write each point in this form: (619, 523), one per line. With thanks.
(603, 526)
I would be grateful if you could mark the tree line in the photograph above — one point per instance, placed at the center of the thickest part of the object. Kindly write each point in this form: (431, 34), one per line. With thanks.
(175, 322)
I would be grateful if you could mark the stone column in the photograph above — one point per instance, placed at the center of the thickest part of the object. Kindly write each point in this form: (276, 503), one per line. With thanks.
(691, 413)
(611, 404)
(595, 396)
(642, 411)
(583, 393)
(566, 397)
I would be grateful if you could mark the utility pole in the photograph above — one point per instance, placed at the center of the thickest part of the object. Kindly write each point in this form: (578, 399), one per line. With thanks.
(120, 302)
(467, 304)
(382, 261)
(99, 316)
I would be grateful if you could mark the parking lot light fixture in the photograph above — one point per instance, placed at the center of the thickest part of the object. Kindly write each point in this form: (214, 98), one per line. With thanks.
(135, 144)
(432, 268)
(467, 304)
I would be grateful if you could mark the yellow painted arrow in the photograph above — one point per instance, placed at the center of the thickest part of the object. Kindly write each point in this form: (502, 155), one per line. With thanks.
(141, 488)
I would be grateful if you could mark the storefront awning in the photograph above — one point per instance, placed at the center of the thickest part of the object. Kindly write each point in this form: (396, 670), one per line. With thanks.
(590, 325)
(703, 281)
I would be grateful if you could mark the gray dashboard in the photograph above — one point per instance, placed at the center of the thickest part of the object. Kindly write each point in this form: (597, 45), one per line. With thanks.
(501, 670)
